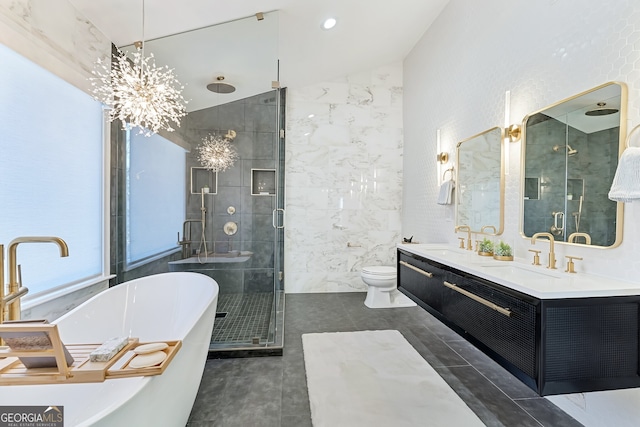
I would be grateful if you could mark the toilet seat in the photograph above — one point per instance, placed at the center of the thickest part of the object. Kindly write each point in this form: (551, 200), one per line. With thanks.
(382, 291)
(379, 270)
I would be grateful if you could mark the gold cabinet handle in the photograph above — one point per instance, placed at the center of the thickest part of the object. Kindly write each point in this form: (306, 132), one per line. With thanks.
(481, 300)
(425, 273)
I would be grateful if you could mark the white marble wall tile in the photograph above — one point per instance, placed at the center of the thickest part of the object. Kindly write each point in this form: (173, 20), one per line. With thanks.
(322, 93)
(54, 35)
(343, 179)
(55, 308)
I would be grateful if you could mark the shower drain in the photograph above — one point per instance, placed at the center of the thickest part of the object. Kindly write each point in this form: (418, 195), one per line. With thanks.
(221, 315)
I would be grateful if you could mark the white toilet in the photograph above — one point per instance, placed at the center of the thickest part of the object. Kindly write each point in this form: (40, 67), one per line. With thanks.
(382, 289)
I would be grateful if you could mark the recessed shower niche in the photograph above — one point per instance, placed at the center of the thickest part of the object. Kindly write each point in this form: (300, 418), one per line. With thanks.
(263, 182)
(203, 178)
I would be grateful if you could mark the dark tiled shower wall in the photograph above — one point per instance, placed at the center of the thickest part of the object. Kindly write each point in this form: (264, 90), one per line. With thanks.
(254, 120)
(594, 165)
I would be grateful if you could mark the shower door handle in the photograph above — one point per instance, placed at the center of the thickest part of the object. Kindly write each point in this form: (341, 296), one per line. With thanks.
(558, 221)
(275, 218)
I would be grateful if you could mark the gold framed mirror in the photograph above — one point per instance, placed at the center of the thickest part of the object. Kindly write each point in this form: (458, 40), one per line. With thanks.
(480, 182)
(569, 158)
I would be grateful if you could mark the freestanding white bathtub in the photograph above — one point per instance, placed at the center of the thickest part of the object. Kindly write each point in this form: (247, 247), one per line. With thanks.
(169, 306)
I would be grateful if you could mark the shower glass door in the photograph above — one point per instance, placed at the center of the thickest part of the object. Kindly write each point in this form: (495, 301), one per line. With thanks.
(240, 241)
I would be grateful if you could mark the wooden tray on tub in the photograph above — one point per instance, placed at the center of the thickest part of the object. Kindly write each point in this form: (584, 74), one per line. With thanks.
(14, 372)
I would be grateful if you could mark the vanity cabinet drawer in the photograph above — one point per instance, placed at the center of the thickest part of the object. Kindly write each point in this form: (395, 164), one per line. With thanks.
(502, 322)
(422, 280)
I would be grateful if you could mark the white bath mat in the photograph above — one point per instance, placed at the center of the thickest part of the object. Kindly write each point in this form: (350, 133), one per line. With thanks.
(376, 378)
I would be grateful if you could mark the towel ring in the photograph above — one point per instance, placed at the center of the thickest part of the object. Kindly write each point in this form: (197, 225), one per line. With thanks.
(628, 140)
(450, 170)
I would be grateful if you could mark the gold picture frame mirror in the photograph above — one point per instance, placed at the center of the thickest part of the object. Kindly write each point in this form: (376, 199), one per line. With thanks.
(479, 197)
(570, 152)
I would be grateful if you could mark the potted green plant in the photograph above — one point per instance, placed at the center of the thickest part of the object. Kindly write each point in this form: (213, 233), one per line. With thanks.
(485, 248)
(503, 252)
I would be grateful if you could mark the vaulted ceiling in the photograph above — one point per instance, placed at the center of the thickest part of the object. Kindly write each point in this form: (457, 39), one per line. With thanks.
(368, 34)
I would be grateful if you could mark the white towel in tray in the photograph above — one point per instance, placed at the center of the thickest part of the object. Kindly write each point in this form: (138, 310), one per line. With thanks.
(626, 182)
(445, 197)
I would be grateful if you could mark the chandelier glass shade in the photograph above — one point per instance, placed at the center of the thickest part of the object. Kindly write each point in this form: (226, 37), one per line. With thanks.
(216, 153)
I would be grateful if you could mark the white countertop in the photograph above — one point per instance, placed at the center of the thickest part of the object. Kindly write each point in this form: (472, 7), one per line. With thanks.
(536, 281)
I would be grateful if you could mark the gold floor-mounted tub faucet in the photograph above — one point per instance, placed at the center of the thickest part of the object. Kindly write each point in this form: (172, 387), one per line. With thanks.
(10, 303)
(552, 254)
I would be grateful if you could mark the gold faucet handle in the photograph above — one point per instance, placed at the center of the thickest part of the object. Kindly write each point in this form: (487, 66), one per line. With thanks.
(571, 264)
(536, 257)
(461, 242)
(477, 245)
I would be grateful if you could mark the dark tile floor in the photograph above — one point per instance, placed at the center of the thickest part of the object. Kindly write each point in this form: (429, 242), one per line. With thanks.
(247, 317)
(272, 391)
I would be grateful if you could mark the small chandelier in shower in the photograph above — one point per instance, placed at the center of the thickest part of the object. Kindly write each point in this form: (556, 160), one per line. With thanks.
(216, 153)
(138, 91)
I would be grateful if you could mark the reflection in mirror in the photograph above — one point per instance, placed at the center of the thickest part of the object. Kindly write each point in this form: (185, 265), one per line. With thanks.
(571, 152)
(480, 181)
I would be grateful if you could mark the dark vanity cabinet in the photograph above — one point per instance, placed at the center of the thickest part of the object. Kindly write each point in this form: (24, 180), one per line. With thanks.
(554, 346)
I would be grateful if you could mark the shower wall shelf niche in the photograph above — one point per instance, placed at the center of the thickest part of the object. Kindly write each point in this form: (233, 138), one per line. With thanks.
(263, 182)
(203, 177)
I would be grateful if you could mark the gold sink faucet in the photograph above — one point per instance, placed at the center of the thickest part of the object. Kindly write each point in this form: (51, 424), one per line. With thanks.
(573, 236)
(11, 302)
(488, 226)
(552, 254)
(468, 230)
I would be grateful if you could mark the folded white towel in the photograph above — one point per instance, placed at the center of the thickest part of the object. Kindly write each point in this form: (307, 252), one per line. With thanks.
(446, 189)
(626, 182)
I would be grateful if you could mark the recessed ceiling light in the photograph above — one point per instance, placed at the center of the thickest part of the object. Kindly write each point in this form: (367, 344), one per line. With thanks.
(329, 23)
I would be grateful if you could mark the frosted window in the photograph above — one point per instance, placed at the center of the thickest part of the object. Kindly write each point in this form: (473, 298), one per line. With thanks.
(51, 176)
(155, 195)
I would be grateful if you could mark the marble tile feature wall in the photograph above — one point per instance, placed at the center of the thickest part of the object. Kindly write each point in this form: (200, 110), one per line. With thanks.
(54, 35)
(343, 179)
(455, 80)
(55, 308)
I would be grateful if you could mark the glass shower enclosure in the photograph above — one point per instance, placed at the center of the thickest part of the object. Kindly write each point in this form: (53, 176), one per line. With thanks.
(233, 228)
(240, 241)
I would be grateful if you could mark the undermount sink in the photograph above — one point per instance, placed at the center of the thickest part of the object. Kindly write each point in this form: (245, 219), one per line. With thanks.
(522, 271)
(445, 251)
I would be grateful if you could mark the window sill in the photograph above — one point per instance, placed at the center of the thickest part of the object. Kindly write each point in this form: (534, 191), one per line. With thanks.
(152, 258)
(39, 298)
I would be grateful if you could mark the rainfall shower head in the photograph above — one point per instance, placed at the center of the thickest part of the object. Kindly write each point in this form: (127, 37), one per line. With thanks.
(601, 110)
(220, 86)
(570, 151)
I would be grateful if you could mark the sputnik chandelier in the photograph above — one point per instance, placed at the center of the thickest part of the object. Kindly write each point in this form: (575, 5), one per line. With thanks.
(139, 92)
(216, 153)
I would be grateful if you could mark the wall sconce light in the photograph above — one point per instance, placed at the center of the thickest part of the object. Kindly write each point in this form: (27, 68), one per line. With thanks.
(513, 133)
(443, 157)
